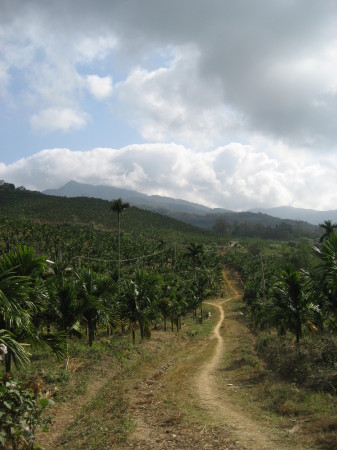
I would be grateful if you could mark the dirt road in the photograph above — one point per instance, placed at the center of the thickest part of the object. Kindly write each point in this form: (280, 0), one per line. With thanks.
(249, 433)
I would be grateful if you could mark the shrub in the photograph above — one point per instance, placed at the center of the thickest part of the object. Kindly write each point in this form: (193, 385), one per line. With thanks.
(313, 364)
(20, 413)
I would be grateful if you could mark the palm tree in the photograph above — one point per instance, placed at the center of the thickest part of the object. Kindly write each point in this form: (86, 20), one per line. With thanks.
(326, 273)
(64, 294)
(178, 304)
(23, 298)
(118, 207)
(92, 307)
(328, 228)
(14, 315)
(194, 251)
(198, 291)
(291, 307)
(140, 301)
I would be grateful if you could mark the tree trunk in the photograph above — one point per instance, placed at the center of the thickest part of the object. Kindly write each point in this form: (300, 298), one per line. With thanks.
(119, 248)
(133, 334)
(91, 326)
(164, 323)
(8, 361)
(91, 335)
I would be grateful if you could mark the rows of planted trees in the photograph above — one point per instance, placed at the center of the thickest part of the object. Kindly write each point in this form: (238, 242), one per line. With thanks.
(290, 289)
(81, 280)
(290, 286)
(47, 302)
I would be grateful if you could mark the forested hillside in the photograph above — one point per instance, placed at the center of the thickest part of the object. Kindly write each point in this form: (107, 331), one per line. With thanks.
(220, 221)
(85, 225)
(29, 205)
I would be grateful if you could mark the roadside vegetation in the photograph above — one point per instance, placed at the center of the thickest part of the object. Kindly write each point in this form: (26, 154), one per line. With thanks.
(290, 302)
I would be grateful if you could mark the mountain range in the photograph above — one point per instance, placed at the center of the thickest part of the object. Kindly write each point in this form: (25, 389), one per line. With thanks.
(155, 203)
(188, 211)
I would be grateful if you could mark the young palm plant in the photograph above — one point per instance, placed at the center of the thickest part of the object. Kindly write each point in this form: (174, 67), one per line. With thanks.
(291, 306)
(326, 274)
(329, 229)
(91, 292)
(22, 297)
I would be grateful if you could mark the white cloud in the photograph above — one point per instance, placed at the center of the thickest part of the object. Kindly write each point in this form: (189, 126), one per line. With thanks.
(99, 87)
(4, 81)
(175, 103)
(89, 49)
(58, 119)
(235, 176)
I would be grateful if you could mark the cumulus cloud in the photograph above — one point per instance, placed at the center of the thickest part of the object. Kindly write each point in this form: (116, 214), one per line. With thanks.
(99, 87)
(58, 119)
(272, 64)
(175, 103)
(198, 74)
(88, 49)
(233, 176)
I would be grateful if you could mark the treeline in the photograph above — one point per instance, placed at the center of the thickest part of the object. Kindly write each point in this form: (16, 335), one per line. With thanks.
(39, 296)
(279, 231)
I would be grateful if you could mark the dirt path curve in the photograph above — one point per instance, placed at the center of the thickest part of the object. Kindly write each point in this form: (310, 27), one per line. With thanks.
(245, 430)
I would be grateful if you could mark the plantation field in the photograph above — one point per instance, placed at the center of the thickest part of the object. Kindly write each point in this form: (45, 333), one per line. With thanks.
(170, 393)
(120, 328)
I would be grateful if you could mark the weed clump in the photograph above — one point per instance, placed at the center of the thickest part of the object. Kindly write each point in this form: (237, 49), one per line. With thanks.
(313, 364)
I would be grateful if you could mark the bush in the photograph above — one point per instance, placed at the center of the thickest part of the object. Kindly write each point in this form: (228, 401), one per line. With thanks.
(313, 364)
(20, 414)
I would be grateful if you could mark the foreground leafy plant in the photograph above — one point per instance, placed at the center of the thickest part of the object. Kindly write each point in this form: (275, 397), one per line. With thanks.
(20, 414)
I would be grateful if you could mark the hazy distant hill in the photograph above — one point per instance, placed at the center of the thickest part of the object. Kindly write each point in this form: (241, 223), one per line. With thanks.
(151, 202)
(184, 211)
(308, 215)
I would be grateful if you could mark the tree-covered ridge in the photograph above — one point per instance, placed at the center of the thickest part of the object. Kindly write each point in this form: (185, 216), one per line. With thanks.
(34, 205)
(29, 205)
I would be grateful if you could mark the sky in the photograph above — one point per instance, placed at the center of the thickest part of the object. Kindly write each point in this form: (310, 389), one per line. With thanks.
(228, 103)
